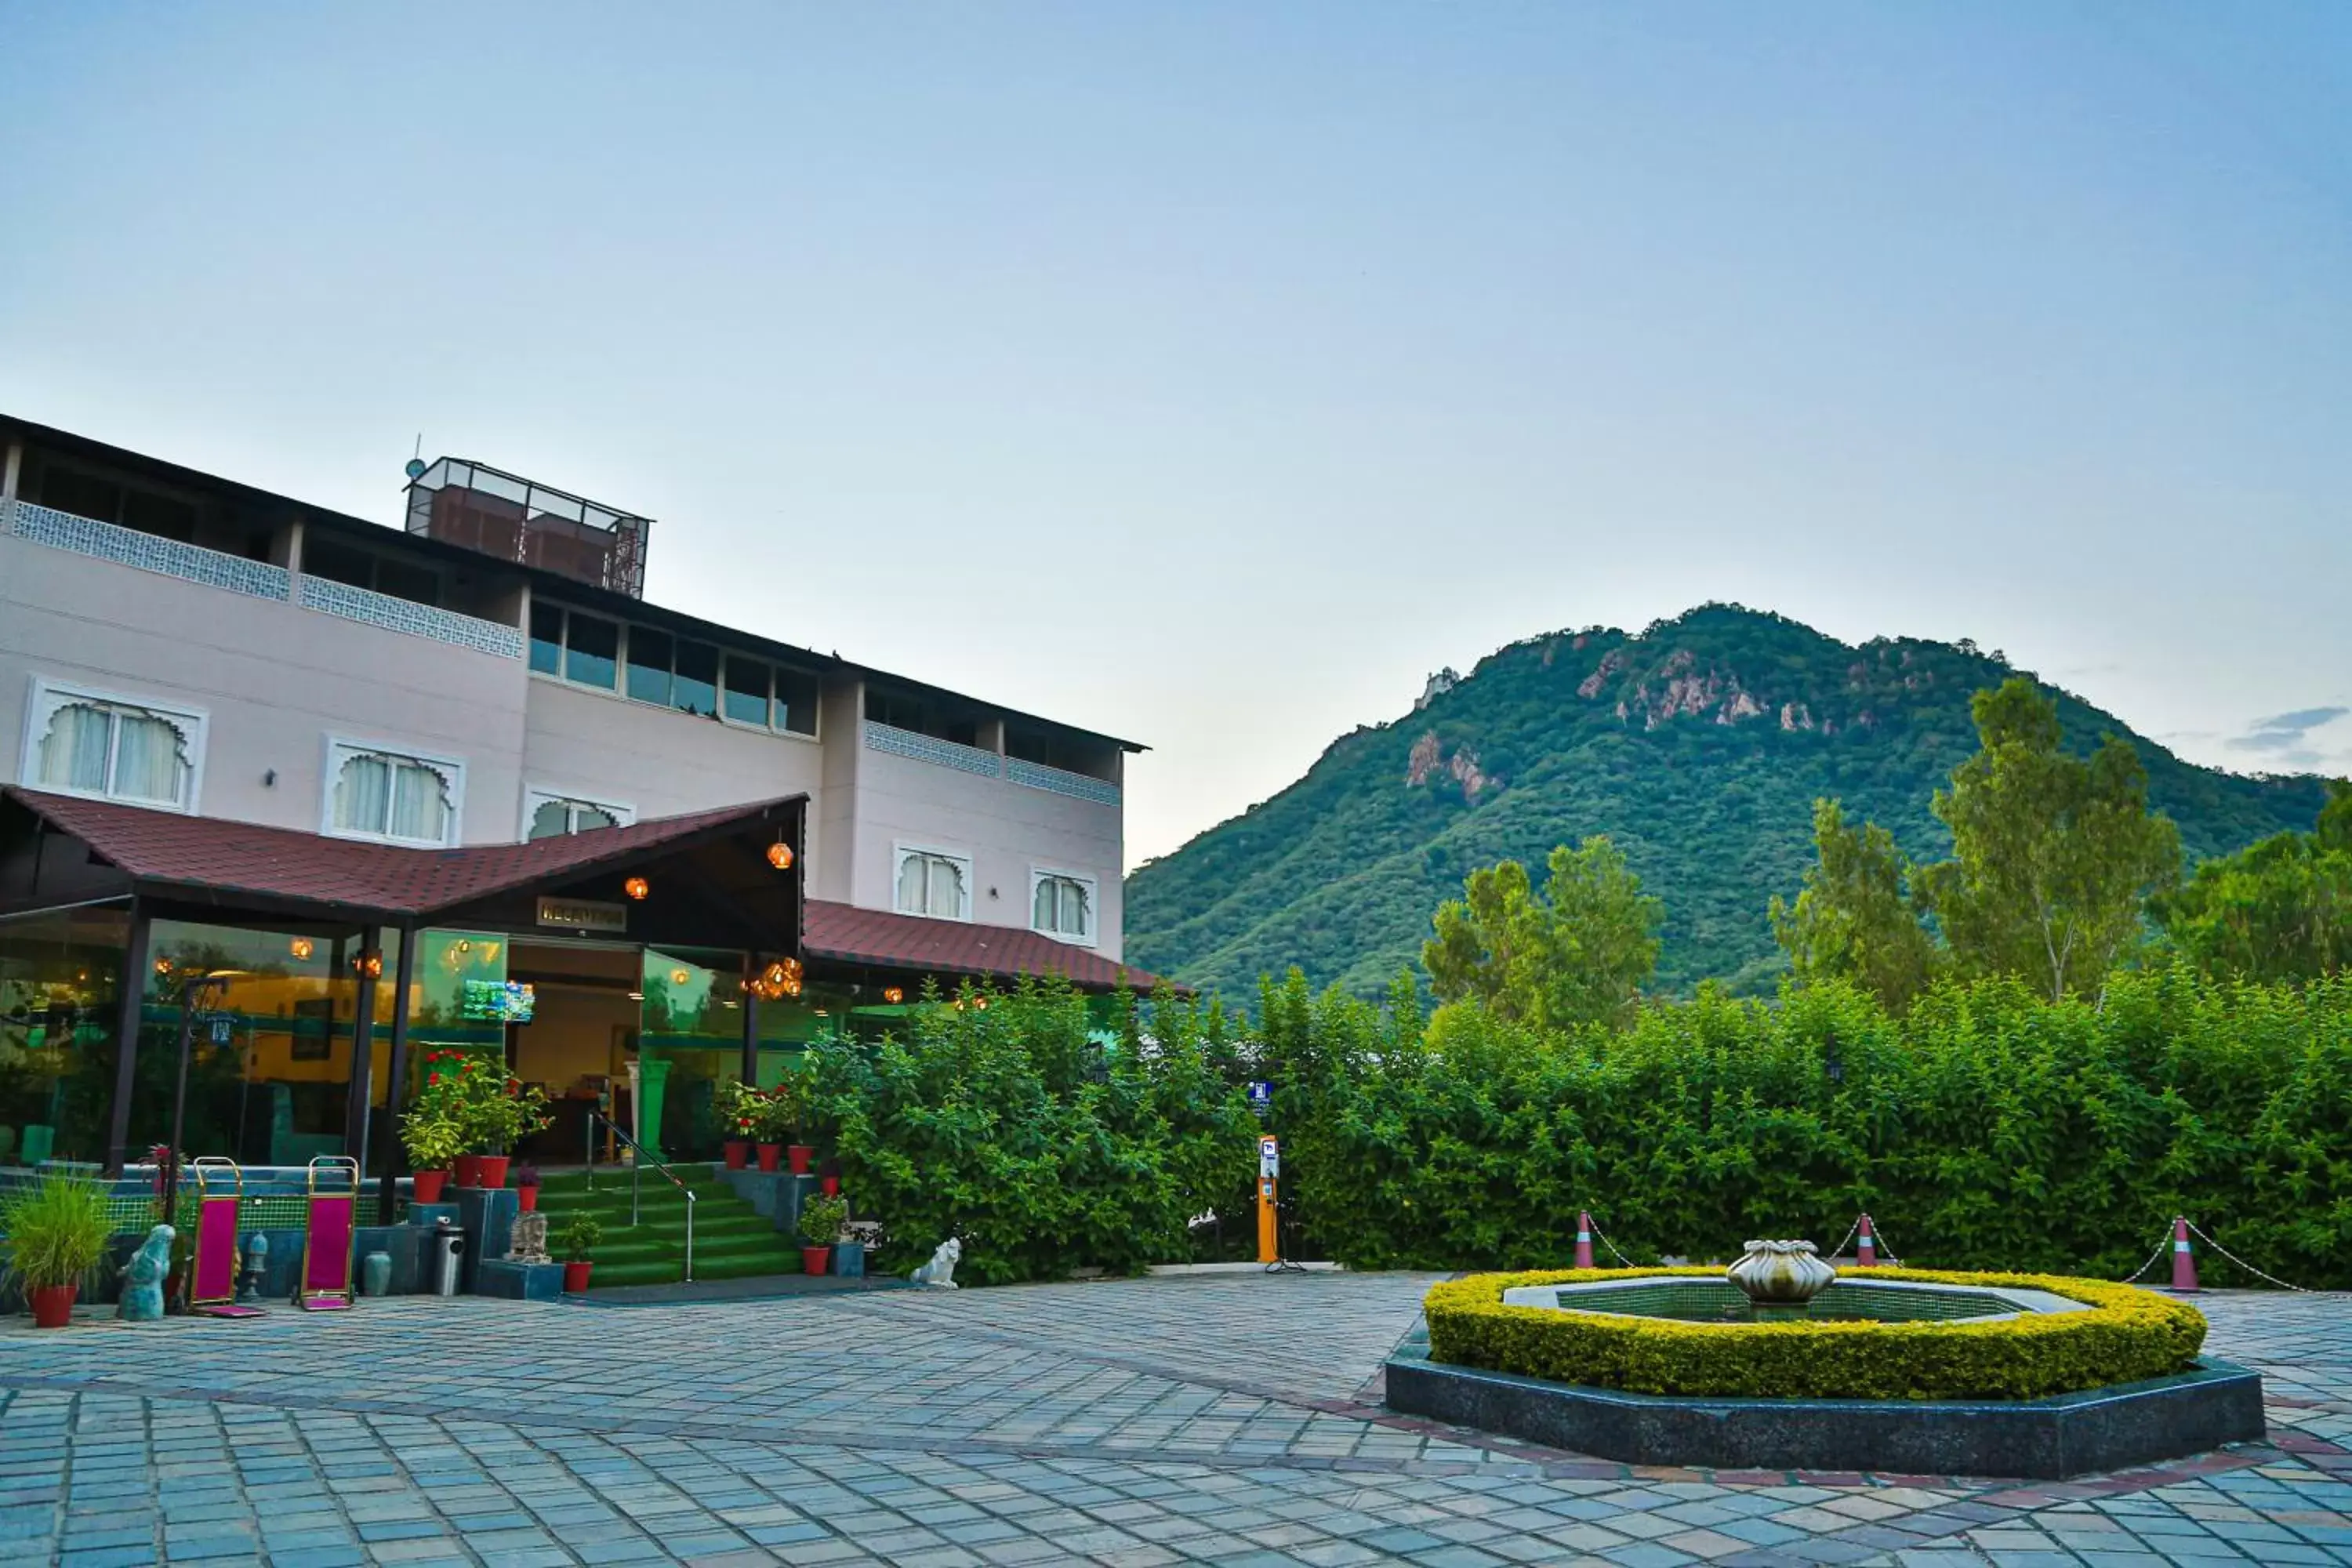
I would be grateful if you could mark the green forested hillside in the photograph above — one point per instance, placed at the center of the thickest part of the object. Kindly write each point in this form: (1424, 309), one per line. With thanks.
(1698, 745)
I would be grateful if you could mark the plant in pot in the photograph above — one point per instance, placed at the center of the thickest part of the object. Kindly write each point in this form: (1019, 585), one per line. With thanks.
(777, 1114)
(456, 1087)
(432, 1137)
(821, 1220)
(828, 1176)
(526, 1178)
(787, 1097)
(52, 1234)
(511, 1112)
(737, 1106)
(580, 1239)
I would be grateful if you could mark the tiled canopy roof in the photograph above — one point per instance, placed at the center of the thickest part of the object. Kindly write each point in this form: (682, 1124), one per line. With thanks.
(213, 854)
(851, 935)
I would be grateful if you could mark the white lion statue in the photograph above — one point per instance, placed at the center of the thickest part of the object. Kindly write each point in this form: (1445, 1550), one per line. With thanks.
(940, 1272)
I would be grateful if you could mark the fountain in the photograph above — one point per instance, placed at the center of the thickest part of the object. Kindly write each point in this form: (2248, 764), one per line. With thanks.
(1781, 1279)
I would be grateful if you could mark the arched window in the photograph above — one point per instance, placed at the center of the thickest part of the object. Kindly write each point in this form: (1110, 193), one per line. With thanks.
(1062, 906)
(87, 744)
(384, 795)
(935, 884)
(553, 816)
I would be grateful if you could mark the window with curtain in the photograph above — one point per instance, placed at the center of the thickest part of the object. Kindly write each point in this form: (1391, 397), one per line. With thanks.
(555, 816)
(1062, 907)
(120, 751)
(933, 884)
(383, 794)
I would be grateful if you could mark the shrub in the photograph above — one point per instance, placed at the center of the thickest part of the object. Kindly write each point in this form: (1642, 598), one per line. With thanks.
(2128, 1334)
(54, 1230)
(821, 1221)
(580, 1236)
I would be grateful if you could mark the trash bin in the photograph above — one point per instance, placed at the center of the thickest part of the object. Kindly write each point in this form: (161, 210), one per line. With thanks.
(446, 1251)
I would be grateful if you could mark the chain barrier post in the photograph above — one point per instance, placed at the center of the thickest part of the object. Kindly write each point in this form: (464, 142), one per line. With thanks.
(1866, 1250)
(1584, 1238)
(2184, 1261)
(1269, 1170)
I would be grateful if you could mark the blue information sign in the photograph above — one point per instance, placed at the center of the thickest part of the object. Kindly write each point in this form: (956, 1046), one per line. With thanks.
(1261, 1095)
(223, 1027)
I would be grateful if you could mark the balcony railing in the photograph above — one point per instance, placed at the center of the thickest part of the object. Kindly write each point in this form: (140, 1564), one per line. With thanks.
(1061, 781)
(149, 552)
(257, 579)
(931, 748)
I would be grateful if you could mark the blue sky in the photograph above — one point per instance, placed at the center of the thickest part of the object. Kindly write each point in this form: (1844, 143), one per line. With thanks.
(1210, 375)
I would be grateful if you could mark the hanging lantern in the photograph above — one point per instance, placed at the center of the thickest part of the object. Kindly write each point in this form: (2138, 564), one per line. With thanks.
(679, 977)
(638, 888)
(300, 947)
(893, 995)
(779, 856)
(368, 964)
(163, 967)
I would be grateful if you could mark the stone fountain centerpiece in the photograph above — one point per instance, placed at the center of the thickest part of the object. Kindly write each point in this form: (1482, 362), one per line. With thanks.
(1781, 1279)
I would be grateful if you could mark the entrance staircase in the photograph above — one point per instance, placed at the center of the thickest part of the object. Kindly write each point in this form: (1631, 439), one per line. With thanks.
(731, 1239)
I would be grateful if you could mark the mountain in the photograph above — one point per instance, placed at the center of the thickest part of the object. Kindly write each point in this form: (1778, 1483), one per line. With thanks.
(1698, 745)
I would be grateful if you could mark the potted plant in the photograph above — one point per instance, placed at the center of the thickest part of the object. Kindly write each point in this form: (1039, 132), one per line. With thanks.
(787, 1097)
(453, 1092)
(527, 1188)
(774, 1124)
(509, 1112)
(432, 1138)
(820, 1226)
(580, 1239)
(828, 1176)
(737, 1106)
(53, 1232)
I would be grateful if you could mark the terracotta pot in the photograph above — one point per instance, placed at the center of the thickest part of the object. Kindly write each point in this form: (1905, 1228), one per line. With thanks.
(831, 1185)
(575, 1277)
(52, 1305)
(529, 1198)
(428, 1186)
(770, 1155)
(469, 1171)
(739, 1152)
(816, 1259)
(800, 1155)
(494, 1169)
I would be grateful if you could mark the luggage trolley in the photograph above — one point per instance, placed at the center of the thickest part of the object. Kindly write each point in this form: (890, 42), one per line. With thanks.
(212, 1267)
(329, 1236)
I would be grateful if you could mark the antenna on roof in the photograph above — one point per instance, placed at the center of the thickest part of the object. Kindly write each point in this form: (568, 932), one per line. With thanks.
(416, 458)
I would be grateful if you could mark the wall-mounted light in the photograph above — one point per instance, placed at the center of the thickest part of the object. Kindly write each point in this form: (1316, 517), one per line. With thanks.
(301, 947)
(780, 855)
(679, 977)
(369, 964)
(893, 995)
(463, 946)
(638, 888)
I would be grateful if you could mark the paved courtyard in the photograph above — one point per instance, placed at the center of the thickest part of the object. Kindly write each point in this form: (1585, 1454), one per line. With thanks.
(1227, 1419)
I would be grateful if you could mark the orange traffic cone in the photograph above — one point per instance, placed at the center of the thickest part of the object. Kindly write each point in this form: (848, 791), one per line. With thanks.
(1584, 1239)
(2184, 1262)
(1866, 1250)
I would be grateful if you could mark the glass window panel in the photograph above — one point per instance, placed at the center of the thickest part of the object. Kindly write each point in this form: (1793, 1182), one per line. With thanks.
(74, 751)
(796, 695)
(551, 820)
(947, 886)
(586, 817)
(149, 762)
(548, 503)
(364, 795)
(491, 483)
(546, 639)
(1043, 910)
(592, 651)
(695, 688)
(747, 691)
(649, 658)
(420, 804)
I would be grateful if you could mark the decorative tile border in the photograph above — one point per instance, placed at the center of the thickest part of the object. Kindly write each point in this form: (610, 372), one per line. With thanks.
(407, 616)
(900, 742)
(149, 552)
(1037, 777)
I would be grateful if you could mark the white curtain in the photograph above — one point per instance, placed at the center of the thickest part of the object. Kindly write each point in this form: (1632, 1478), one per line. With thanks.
(910, 886)
(420, 804)
(148, 763)
(930, 885)
(1045, 909)
(946, 886)
(73, 753)
(1060, 907)
(362, 794)
(1074, 909)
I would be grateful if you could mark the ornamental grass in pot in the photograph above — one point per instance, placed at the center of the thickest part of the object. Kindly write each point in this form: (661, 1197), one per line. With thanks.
(53, 1231)
(821, 1221)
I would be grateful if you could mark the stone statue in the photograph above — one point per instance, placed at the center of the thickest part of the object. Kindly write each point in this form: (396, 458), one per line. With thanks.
(257, 1269)
(940, 1272)
(530, 1245)
(1780, 1274)
(143, 1286)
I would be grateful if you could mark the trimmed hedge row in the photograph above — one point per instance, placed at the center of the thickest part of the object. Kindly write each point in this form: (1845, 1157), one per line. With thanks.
(2128, 1334)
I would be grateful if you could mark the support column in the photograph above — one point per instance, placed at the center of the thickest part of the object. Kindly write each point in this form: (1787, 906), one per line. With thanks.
(363, 1081)
(396, 1090)
(653, 1072)
(133, 1009)
(751, 1022)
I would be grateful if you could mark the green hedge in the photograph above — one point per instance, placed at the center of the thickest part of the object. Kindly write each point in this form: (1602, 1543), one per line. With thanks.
(2128, 1334)
(1987, 1129)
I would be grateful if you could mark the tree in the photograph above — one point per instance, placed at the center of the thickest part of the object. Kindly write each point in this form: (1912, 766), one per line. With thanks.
(1579, 955)
(1853, 920)
(2278, 909)
(2054, 854)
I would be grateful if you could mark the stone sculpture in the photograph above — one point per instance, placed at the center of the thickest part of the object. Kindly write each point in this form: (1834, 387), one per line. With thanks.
(257, 1269)
(1780, 1274)
(940, 1272)
(143, 1285)
(529, 1240)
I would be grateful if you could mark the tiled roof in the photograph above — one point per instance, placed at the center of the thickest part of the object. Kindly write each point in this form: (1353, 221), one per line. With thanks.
(211, 853)
(852, 935)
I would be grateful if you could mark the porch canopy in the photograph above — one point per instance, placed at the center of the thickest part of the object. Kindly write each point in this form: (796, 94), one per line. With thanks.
(708, 881)
(876, 942)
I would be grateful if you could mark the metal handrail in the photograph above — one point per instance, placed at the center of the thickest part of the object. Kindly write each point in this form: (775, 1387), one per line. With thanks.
(637, 1165)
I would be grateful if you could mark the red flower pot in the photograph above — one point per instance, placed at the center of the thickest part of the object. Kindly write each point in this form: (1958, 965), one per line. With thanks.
(800, 1155)
(816, 1259)
(494, 1169)
(575, 1277)
(831, 1185)
(428, 1186)
(470, 1170)
(739, 1152)
(770, 1155)
(52, 1305)
(529, 1198)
